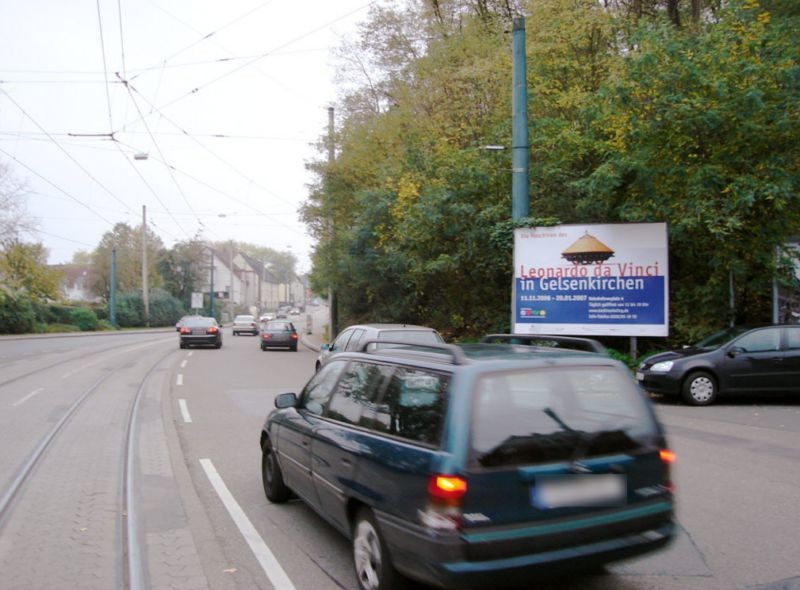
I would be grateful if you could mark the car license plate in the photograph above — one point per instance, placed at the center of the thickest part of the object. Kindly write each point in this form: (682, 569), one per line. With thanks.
(606, 489)
(640, 376)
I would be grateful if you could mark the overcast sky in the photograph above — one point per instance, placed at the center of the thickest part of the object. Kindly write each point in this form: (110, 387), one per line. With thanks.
(225, 99)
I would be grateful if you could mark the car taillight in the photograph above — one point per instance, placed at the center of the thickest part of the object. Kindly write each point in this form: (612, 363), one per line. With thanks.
(443, 509)
(264, 336)
(668, 458)
(185, 330)
(294, 335)
(212, 330)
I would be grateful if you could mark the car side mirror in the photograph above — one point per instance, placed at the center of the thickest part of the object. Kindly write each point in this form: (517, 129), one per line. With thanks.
(286, 400)
(735, 351)
(326, 347)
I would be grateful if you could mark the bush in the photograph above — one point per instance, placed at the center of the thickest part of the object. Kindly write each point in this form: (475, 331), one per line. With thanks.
(165, 309)
(16, 314)
(84, 318)
(105, 326)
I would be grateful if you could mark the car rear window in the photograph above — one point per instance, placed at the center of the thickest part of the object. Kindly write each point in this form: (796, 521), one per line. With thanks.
(540, 415)
(279, 327)
(199, 322)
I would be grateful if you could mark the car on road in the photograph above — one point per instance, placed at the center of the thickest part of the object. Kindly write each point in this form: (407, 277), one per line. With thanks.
(266, 317)
(352, 337)
(474, 466)
(200, 331)
(279, 334)
(245, 324)
(739, 360)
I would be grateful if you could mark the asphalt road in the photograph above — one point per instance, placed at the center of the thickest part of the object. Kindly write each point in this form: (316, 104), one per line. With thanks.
(197, 495)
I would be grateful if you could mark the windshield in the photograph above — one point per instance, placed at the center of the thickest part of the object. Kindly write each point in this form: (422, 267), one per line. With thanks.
(541, 415)
(723, 337)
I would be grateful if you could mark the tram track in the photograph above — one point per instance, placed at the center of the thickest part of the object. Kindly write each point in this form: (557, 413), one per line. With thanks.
(94, 509)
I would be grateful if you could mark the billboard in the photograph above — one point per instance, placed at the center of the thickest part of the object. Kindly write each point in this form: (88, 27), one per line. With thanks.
(591, 280)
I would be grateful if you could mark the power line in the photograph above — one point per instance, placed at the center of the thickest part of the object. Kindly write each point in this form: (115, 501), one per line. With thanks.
(77, 200)
(105, 68)
(89, 174)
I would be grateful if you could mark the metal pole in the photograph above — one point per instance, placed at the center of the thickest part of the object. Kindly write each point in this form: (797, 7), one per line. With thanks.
(211, 288)
(333, 302)
(520, 202)
(145, 287)
(230, 295)
(112, 312)
(775, 293)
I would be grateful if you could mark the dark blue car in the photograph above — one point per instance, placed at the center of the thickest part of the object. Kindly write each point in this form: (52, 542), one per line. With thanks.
(476, 466)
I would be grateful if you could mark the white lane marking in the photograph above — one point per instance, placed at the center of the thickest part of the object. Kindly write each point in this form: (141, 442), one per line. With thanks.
(185, 411)
(183, 364)
(257, 545)
(22, 400)
(179, 381)
(191, 352)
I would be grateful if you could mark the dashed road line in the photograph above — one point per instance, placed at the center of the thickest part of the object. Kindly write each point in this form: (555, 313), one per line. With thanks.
(22, 400)
(187, 417)
(179, 380)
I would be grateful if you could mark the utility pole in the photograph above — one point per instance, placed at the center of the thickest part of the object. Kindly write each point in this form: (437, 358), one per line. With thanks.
(211, 286)
(520, 199)
(333, 303)
(145, 287)
(112, 303)
(230, 295)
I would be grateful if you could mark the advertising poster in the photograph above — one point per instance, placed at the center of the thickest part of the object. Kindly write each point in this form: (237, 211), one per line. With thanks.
(592, 280)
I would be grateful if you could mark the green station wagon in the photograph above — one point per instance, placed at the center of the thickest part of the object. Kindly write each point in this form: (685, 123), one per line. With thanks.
(474, 466)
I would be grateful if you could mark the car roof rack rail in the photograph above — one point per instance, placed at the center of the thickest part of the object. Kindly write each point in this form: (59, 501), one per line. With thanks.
(548, 341)
(455, 353)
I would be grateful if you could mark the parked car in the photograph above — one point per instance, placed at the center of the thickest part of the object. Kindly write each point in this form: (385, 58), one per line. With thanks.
(199, 330)
(474, 466)
(352, 337)
(245, 324)
(547, 341)
(279, 334)
(739, 360)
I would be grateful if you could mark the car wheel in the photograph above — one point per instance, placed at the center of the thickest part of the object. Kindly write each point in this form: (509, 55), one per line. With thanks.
(272, 477)
(373, 566)
(700, 389)
(294, 348)
(264, 348)
(182, 345)
(218, 345)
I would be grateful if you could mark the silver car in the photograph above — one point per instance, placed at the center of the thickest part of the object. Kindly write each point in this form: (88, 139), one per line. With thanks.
(245, 324)
(354, 336)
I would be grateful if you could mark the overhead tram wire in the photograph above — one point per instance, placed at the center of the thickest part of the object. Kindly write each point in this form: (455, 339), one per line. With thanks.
(85, 171)
(163, 62)
(105, 68)
(210, 151)
(221, 192)
(261, 56)
(55, 186)
(158, 148)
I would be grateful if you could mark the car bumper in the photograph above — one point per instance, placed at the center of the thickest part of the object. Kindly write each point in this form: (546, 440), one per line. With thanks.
(441, 560)
(663, 383)
(200, 340)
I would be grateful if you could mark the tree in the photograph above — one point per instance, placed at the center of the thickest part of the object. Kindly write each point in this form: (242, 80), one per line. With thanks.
(183, 268)
(14, 220)
(24, 271)
(128, 242)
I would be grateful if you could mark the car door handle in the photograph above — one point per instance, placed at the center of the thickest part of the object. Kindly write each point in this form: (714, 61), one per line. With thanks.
(346, 461)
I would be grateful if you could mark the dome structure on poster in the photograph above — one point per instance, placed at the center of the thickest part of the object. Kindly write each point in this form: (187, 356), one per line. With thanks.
(587, 250)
